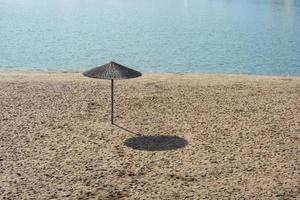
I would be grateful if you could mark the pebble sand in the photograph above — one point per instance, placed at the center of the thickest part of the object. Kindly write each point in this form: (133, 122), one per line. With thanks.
(176, 136)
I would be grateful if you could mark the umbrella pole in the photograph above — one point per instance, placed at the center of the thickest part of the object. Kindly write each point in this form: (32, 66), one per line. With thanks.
(112, 101)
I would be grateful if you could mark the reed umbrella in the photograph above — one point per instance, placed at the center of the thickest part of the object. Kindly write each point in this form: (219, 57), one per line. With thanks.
(112, 71)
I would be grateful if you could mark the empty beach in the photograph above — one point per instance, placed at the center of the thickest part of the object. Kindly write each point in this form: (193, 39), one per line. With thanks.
(176, 136)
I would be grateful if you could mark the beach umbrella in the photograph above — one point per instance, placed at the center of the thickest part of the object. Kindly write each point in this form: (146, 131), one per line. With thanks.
(112, 71)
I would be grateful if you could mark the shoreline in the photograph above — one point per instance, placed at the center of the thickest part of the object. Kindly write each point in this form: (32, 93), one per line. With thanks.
(29, 72)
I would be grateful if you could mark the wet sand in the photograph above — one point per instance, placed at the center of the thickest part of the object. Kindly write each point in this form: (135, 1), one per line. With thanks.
(177, 136)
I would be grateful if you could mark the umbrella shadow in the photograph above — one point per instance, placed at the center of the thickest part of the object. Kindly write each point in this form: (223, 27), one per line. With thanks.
(153, 142)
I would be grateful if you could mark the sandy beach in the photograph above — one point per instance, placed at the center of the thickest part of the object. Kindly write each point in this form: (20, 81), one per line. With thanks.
(177, 136)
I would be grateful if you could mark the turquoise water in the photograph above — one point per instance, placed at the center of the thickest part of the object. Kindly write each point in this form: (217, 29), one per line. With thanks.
(211, 36)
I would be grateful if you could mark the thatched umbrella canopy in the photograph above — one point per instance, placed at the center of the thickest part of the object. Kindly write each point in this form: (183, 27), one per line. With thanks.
(112, 71)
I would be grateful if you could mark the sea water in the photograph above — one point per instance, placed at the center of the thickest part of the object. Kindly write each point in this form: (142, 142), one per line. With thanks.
(206, 36)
